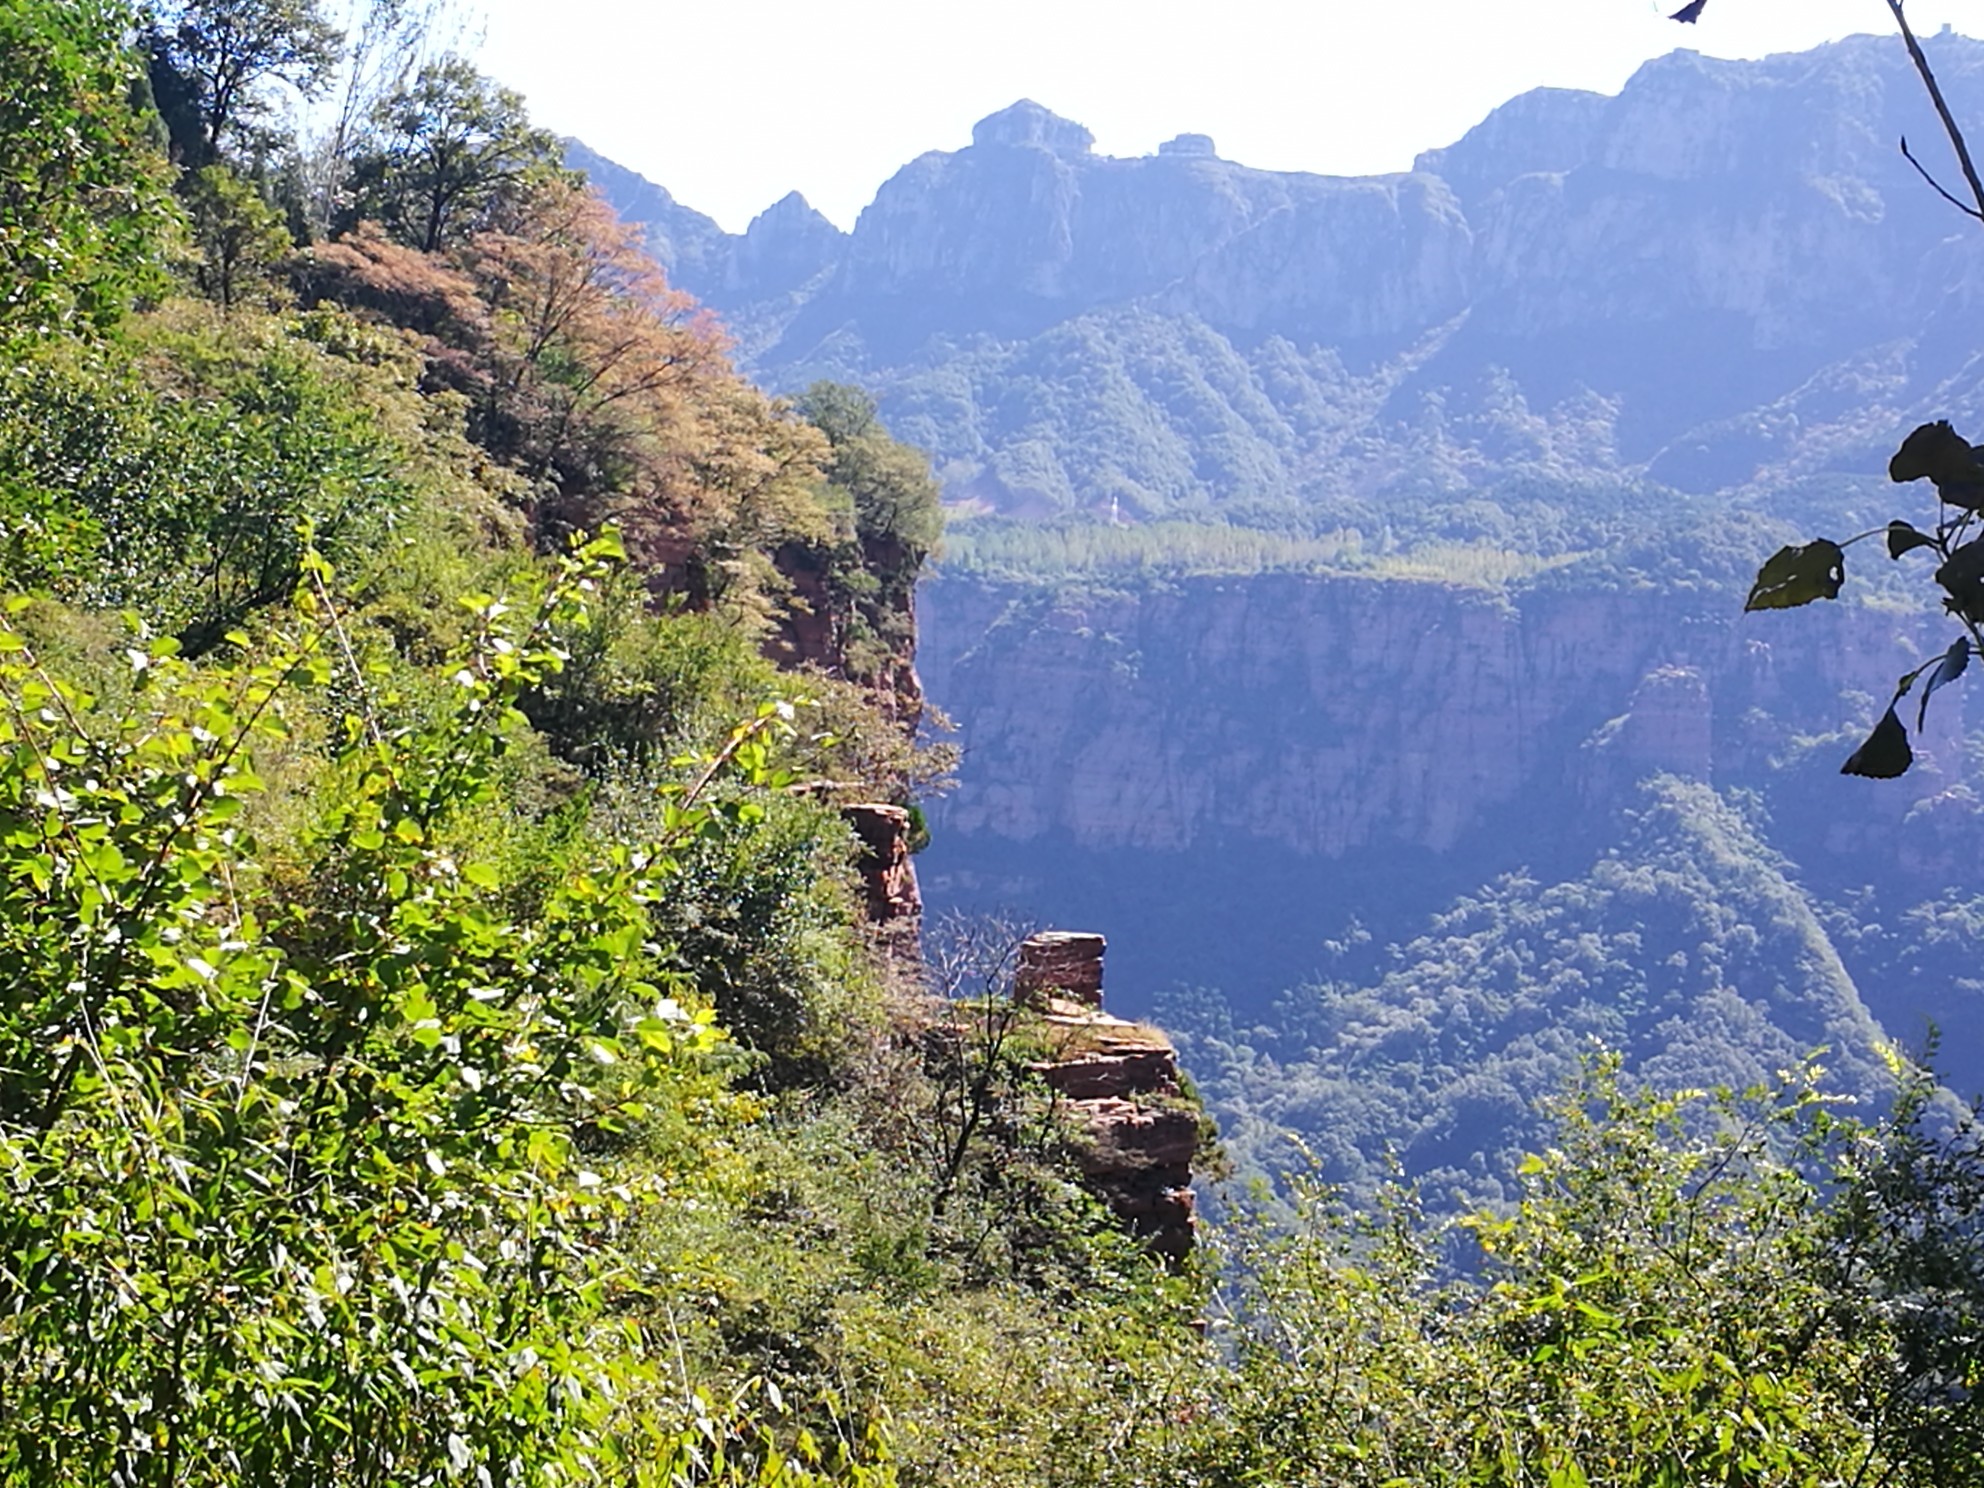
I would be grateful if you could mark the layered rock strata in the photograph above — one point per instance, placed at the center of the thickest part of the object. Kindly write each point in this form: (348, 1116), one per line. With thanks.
(1137, 1133)
(1328, 715)
(1060, 963)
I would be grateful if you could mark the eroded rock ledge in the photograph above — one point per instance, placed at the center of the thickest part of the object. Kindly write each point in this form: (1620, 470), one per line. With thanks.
(1138, 1132)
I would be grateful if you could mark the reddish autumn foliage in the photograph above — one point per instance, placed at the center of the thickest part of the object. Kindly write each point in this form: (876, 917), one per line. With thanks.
(608, 390)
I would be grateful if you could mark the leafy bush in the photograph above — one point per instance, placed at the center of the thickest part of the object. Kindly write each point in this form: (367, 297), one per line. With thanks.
(187, 502)
(1677, 1298)
(85, 216)
(295, 1186)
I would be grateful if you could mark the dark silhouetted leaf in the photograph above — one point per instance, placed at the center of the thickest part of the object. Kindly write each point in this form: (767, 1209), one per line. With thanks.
(1797, 576)
(1938, 452)
(1885, 754)
(1689, 13)
(1903, 538)
(1962, 576)
(1947, 670)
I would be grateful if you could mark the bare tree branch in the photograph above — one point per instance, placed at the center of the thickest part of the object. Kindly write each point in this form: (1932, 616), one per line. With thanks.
(1937, 186)
(1957, 141)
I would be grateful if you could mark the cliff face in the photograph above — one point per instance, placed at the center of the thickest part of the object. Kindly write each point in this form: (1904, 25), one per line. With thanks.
(1683, 277)
(1232, 776)
(1327, 715)
(1029, 226)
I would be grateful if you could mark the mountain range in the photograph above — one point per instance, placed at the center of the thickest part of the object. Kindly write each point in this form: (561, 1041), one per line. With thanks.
(1342, 607)
(1723, 274)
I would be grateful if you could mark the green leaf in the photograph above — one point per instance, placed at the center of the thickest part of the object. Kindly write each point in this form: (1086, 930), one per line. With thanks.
(1903, 538)
(1798, 575)
(1885, 754)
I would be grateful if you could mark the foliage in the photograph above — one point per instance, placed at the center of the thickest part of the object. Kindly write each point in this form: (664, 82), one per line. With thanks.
(604, 390)
(854, 572)
(1798, 575)
(1674, 1299)
(450, 151)
(225, 55)
(363, 1113)
(239, 236)
(1689, 946)
(303, 1167)
(896, 501)
(613, 394)
(186, 502)
(83, 211)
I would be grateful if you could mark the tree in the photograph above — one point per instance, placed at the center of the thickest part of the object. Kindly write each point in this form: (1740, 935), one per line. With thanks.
(387, 41)
(452, 147)
(83, 211)
(238, 234)
(857, 587)
(220, 55)
(897, 502)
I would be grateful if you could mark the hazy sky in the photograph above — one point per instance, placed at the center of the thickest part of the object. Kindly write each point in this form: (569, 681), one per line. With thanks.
(732, 103)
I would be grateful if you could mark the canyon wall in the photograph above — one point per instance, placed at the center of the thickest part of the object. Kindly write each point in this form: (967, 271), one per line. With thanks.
(1250, 763)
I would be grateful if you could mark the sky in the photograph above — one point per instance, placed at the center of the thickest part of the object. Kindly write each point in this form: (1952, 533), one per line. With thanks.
(730, 104)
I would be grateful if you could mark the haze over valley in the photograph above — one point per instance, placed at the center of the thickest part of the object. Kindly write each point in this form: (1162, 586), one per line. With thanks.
(1335, 563)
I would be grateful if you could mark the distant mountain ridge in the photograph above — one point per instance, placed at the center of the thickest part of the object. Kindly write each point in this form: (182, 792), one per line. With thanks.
(1725, 271)
(1463, 757)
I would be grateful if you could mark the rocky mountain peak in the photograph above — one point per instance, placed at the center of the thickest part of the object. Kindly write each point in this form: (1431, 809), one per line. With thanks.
(1543, 130)
(786, 245)
(1026, 123)
(1685, 280)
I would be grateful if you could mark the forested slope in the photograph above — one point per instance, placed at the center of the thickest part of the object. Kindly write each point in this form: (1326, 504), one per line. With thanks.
(445, 1037)
(442, 1037)
(1324, 552)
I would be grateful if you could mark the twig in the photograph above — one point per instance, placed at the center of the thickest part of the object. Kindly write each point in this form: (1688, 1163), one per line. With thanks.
(1937, 186)
(1957, 141)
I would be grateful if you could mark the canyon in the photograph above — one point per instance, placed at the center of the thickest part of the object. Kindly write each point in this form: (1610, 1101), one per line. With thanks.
(1342, 598)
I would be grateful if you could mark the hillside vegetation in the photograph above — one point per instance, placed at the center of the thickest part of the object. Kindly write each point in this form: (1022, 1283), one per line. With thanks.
(442, 1040)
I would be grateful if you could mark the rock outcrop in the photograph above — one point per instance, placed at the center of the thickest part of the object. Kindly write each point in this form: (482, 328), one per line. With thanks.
(888, 873)
(1137, 1134)
(1725, 268)
(1061, 964)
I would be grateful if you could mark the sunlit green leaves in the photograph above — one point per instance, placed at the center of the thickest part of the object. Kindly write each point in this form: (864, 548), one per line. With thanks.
(360, 1131)
(1671, 1297)
(84, 211)
(187, 509)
